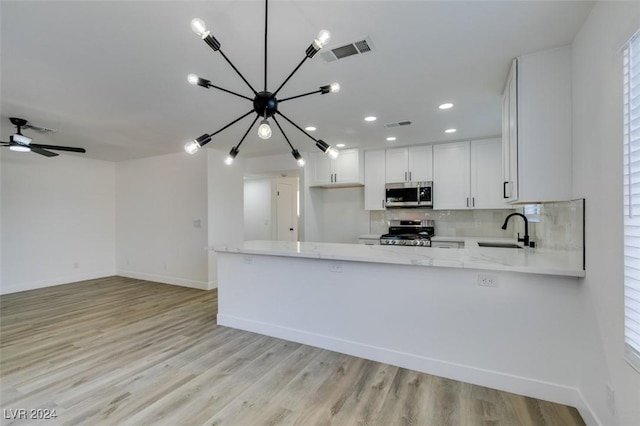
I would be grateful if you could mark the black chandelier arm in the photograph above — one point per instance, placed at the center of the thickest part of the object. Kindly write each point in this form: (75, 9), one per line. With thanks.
(266, 12)
(297, 127)
(283, 133)
(237, 71)
(237, 147)
(229, 91)
(290, 75)
(299, 96)
(232, 123)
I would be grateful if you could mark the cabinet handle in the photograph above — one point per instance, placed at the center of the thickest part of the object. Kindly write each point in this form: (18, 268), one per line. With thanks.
(409, 176)
(473, 201)
(467, 201)
(335, 177)
(382, 204)
(405, 176)
(504, 190)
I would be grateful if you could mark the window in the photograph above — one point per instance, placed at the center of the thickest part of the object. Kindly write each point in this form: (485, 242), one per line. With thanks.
(632, 201)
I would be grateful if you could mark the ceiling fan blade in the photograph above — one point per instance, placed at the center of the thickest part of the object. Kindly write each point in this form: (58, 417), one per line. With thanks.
(38, 128)
(58, 148)
(41, 151)
(3, 143)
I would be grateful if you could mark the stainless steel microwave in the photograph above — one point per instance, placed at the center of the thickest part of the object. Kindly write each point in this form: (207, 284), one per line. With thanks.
(409, 194)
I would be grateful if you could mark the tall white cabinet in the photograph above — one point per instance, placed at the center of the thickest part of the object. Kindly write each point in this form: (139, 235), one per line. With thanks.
(467, 175)
(537, 128)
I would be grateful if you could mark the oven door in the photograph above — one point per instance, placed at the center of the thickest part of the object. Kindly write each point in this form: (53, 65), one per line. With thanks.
(402, 195)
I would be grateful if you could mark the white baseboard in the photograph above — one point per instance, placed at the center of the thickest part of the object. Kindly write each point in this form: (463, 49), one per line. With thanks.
(586, 411)
(494, 379)
(183, 282)
(33, 285)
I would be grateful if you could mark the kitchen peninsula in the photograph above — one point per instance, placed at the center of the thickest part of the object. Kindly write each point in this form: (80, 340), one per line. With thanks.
(497, 317)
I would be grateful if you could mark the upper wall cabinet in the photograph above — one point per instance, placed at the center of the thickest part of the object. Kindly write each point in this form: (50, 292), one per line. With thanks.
(346, 170)
(467, 175)
(413, 164)
(536, 131)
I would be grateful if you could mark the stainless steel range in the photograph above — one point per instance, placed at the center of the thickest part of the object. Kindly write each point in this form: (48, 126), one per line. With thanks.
(409, 233)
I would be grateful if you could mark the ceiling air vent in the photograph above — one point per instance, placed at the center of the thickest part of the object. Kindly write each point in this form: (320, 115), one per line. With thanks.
(397, 124)
(355, 48)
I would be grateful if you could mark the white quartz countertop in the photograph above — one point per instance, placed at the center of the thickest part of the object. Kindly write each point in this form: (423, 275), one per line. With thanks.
(472, 256)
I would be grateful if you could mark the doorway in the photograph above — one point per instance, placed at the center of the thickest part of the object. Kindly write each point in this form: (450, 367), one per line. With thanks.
(286, 211)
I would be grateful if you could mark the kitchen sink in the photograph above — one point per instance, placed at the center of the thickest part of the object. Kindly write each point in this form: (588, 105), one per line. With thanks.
(499, 245)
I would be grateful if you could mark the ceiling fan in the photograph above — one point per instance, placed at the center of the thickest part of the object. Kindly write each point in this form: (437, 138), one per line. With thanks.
(19, 142)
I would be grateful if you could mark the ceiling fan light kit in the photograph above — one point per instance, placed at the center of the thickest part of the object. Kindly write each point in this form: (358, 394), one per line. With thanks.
(265, 103)
(20, 143)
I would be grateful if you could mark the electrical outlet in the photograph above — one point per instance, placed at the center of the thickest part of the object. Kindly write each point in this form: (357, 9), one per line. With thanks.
(335, 267)
(197, 223)
(486, 280)
(248, 260)
(611, 399)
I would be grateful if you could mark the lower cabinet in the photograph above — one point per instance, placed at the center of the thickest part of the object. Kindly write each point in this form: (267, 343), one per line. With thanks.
(468, 175)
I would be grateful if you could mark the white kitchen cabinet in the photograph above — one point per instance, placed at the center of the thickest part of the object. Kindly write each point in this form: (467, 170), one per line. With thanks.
(486, 176)
(467, 175)
(374, 180)
(451, 176)
(346, 170)
(414, 164)
(537, 128)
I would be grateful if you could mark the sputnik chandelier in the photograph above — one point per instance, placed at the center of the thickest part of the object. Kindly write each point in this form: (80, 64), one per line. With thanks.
(265, 103)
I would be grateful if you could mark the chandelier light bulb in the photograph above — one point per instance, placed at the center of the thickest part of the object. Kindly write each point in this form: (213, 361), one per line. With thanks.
(332, 153)
(19, 148)
(229, 160)
(323, 38)
(264, 130)
(192, 79)
(191, 147)
(198, 27)
(335, 87)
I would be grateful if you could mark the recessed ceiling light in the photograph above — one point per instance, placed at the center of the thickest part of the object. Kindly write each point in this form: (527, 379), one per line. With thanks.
(310, 128)
(340, 145)
(450, 131)
(446, 105)
(370, 118)
(391, 138)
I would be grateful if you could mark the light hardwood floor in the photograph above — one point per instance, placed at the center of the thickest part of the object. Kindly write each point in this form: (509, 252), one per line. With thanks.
(118, 351)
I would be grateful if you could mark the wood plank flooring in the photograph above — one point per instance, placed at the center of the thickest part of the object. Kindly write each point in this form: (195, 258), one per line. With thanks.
(119, 351)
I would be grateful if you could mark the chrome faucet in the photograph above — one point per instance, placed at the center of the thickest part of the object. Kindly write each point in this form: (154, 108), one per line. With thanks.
(525, 240)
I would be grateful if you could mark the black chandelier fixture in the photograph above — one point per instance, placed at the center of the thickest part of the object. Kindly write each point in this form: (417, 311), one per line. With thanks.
(265, 103)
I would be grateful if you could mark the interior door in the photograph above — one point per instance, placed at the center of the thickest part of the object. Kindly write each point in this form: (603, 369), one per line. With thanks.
(286, 212)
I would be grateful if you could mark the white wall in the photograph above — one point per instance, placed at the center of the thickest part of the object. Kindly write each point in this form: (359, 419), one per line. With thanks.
(57, 220)
(344, 216)
(158, 200)
(225, 205)
(597, 176)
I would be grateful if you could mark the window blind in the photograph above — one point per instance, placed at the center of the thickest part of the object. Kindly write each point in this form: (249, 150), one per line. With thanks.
(631, 78)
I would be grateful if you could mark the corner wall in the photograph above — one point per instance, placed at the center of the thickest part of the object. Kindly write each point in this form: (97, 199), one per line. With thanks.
(597, 176)
(57, 220)
(162, 221)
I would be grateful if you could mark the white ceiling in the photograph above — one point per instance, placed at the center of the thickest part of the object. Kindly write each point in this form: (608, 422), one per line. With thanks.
(111, 76)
